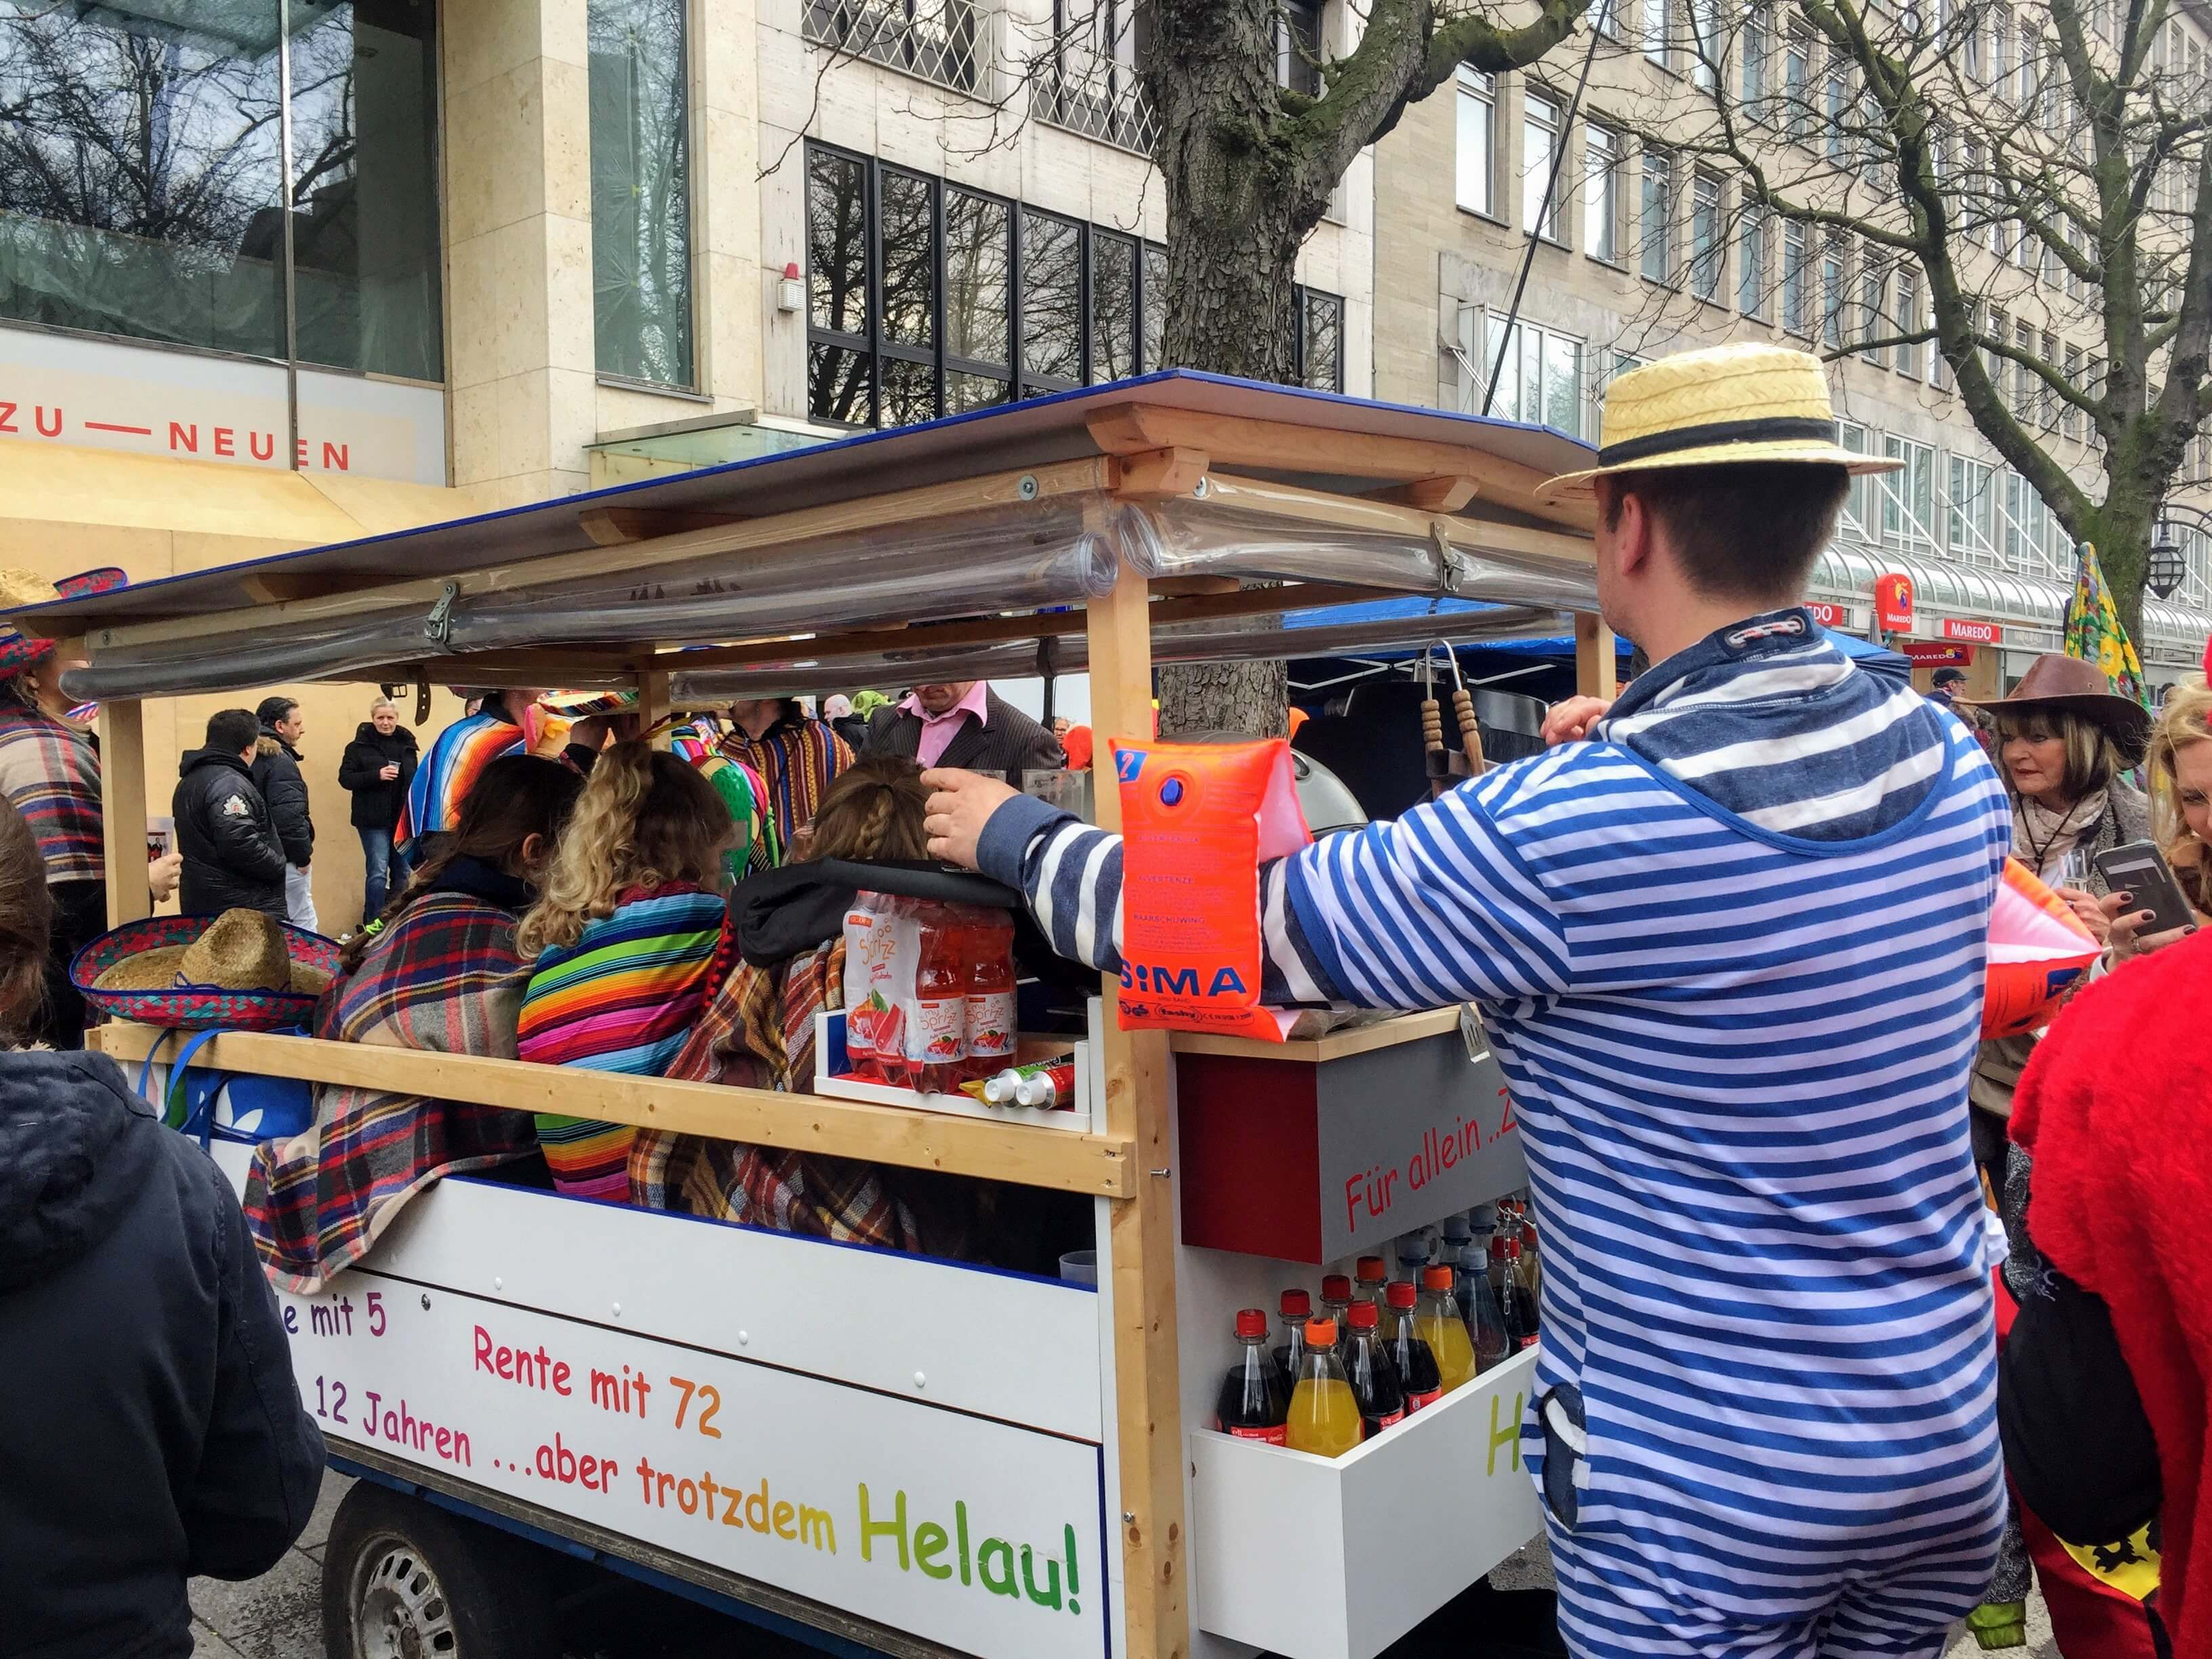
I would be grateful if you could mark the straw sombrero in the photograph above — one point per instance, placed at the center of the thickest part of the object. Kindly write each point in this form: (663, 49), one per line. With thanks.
(1723, 406)
(20, 589)
(241, 970)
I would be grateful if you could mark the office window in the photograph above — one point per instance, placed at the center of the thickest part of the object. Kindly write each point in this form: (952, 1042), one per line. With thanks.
(1605, 18)
(1656, 224)
(1753, 44)
(2070, 412)
(1831, 292)
(1908, 498)
(1541, 378)
(1798, 84)
(1320, 340)
(1751, 262)
(1707, 255)
(2001, 39)
(1999, 368)
(141, 182)
(1970, 518)
(1976, 57)
(1793, 316)
(2031, 384)
(2048, 402)
(640, 191)
(1601, 194)
(1091, 85)
(1838, 97)
(1297, 46)
(912, 289)
(1912, 357)
(1656, 34)
(937, 39)
(1858, 500)
(1705, 44)
(1478, 146)
(1540, 139)
(1873, 312)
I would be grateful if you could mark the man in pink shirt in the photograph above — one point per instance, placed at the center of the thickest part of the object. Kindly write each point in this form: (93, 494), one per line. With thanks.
(963, 723)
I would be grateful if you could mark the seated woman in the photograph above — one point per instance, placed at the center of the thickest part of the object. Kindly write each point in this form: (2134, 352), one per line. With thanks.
(759, 1033)
(623, 939)
(438, 971)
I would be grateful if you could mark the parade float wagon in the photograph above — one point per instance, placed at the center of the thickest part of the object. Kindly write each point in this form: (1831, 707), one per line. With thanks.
(872, 1451)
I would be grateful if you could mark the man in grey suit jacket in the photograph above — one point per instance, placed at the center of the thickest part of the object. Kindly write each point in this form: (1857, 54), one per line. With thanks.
(963, 723)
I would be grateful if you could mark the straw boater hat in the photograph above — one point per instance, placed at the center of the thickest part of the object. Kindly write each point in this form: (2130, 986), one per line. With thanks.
(1723, 406)
(21, 589)
(2057, 681)
(244, 969)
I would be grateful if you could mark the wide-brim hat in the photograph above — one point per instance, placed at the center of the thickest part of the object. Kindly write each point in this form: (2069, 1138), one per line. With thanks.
(21, 589)
(240, 970)
(1724, 406)
(2057, 681)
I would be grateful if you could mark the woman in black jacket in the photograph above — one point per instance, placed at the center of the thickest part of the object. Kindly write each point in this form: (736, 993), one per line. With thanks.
(377, 766)
(150, 1430)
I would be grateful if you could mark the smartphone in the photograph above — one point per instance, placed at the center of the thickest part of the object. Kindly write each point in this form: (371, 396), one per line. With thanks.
(2140, 869)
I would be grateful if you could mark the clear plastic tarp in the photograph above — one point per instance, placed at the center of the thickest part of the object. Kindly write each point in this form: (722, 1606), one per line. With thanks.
(1190, 537)
(1015, 558)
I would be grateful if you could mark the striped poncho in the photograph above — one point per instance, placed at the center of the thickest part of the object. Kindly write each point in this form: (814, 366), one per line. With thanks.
(450, 770)
(444, 978)
(49, 772)
(623, 998)
(797, 759)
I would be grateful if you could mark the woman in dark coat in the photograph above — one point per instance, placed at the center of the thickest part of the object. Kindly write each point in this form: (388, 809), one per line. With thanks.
(376, 767)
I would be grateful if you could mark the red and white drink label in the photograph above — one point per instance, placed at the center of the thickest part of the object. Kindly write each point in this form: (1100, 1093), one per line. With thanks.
(1278, 1435)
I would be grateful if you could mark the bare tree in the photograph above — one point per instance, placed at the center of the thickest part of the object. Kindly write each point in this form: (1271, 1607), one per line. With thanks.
(2025, 190)
(1251, 122)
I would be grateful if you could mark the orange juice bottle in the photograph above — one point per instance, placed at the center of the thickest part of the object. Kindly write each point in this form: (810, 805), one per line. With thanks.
(1324, 1411)
(1438, 1324)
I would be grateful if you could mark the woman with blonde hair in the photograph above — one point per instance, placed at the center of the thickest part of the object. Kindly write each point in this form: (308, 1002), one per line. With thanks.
(623, 936)
(787, 927)
(2180, 767)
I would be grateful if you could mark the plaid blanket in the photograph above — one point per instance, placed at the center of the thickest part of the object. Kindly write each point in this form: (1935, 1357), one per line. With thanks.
(51, 772)
(445, 978)
(759, 1033)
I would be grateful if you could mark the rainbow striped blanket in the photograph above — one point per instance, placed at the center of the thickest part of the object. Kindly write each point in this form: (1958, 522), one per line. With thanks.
(450, 770)
(623, 998)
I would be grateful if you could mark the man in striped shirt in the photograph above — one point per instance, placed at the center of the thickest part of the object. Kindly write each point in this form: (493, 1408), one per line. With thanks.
(1727, 935)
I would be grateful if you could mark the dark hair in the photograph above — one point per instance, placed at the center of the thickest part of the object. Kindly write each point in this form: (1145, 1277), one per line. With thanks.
(233, 730)
(27, 909)
(873, 810)
(273, 709)
(519, 796)
(1749, 531)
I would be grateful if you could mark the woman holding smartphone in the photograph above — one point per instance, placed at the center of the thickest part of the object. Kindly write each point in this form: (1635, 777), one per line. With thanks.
(2180, 767)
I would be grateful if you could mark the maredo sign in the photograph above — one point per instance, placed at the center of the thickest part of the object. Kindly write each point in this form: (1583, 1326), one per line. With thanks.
(1971, 633)
(1892, 602)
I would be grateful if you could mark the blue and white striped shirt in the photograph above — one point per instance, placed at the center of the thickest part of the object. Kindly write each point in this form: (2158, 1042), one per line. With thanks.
(1729, 952)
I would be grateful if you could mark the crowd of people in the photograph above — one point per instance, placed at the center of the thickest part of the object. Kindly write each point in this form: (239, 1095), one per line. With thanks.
(1727, 934)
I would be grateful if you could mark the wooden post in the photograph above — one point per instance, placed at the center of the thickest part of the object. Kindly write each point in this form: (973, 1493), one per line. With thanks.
(1596, 657)
(1147, 1387)
(123, 810)
(652, 704)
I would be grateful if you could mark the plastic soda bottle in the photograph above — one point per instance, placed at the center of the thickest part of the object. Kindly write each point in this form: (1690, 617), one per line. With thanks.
(1324, 1415)
(862, 927)
(1335, 1300)
(990, 964)
(1368, 1280)
(1437, 1322)
(1255, 1396)
(1374, 1378)
(1485, 1323)
(1415, 1364)
(1413, 1254)
(1532, 1264)
(937, 1034)
(1296, 1308)
(1517, 1306)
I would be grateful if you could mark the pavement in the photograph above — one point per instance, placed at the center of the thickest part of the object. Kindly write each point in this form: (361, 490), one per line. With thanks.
(279, 1614)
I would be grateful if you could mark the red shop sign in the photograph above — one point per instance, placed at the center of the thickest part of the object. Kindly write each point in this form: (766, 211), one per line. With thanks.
(1892, 601)
(1829, 616)
(1975, 633)
(1933, 654)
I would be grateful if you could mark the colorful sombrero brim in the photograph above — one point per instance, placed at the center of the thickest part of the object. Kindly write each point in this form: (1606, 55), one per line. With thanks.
(1810, 452)
(19, 652)
(197, 1007)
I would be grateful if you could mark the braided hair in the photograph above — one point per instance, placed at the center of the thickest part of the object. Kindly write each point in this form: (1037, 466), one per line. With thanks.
(873, 810)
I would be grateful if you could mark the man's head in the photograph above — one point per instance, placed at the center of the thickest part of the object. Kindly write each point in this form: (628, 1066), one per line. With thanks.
(233, 732)
(516, 699)
(282, 715)
(1744, 536)
(942, 696)
(1949, 682)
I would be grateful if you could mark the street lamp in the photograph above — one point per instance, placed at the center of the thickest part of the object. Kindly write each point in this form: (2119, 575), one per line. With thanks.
(2167, 566)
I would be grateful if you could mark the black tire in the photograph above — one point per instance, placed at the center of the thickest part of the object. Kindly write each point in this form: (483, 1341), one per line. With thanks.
(403, 1579)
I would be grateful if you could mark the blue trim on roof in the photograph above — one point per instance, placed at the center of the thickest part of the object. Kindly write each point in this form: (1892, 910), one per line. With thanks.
(856, 441)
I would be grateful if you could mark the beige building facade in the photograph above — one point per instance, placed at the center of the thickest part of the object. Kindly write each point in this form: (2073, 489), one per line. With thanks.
(1639, 251)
